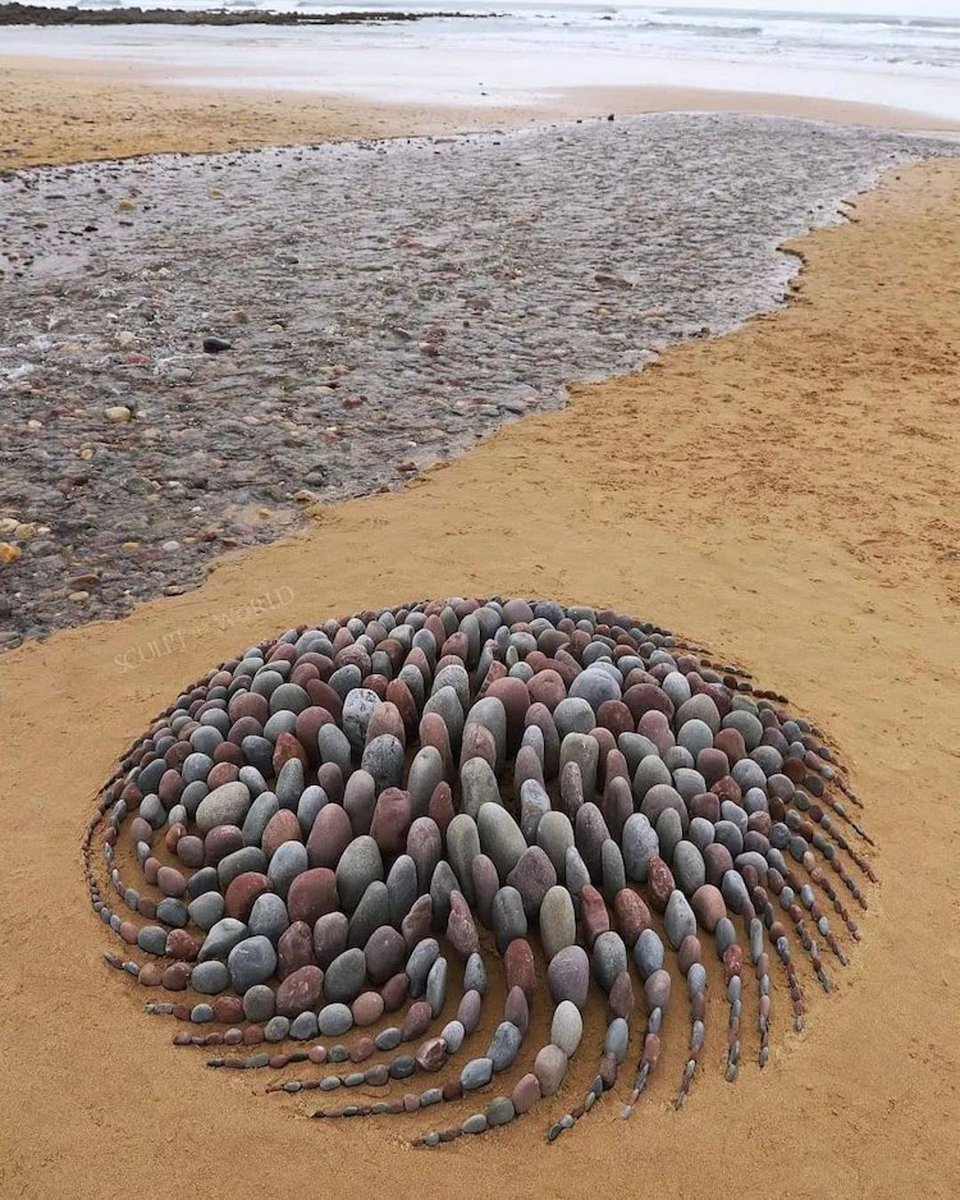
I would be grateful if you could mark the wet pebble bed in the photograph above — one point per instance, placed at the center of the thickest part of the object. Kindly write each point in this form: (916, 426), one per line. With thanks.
(384, 304)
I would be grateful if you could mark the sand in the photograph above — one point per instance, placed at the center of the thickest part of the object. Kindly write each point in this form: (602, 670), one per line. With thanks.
(55, 111)
(786, 494)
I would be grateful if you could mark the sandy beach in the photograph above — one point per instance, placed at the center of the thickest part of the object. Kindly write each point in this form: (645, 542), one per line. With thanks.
(785, 494)
(59, 111)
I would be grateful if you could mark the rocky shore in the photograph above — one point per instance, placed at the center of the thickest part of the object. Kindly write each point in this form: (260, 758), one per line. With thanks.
(30, 14)
(195, 350)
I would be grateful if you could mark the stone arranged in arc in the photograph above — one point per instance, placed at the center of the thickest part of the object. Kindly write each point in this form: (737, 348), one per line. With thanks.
(326, 823)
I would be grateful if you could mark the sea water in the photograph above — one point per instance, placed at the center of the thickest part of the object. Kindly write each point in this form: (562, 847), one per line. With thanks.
(892, 52)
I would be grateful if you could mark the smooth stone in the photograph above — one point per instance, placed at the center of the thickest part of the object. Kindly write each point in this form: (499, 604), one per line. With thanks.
(259, 1003)
(289, 861)
(617, 1039)
(206, 910)
(555, 836)
(648, 953)
(500, 838)
(250, 962)
(568, 976)
(359, 866)
(550, 1067)
(226, 805)
(334, 1019)
(453, 1035)
(345, 976)
(504, 1046)
(476, 1074)
(210, 978)
(557, 921)
(222, 938)
(419, 964)
(566, 1029)
(509, 918)
(689, 869)
(639, 844)
(463, 847)
(679, 920)
(609, 958)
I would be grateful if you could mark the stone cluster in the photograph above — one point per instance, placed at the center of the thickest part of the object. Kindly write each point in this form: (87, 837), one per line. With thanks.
(335, 825)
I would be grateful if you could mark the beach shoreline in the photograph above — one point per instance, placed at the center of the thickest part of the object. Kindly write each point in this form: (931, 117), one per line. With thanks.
(57, 111)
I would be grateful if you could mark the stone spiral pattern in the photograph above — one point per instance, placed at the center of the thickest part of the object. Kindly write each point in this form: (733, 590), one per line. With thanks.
(328, 827)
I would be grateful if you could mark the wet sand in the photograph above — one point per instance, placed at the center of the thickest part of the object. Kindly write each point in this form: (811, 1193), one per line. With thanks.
(57, 111)
(786, 494)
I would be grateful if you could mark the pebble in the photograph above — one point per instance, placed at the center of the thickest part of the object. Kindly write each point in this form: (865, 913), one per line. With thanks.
(476, 1074)
(566, 1029)
(550, 1067)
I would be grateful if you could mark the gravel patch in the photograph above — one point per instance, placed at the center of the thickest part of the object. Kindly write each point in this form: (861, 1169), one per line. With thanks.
(367, 309)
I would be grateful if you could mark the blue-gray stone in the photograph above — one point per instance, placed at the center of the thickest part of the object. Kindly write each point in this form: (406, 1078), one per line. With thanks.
(152, 939)
(509, 919)
(250, 858)
(289, 861)
(276, 1029)
(251, 961)
(609, 958)
(269, 917)
(436, 987)
(259, 1003)
(689, 869)
(172, 912)
(475, 975)
(206, 910)
(258, 817)
(504, 1046)
(345, 977)
(334, 1019)
(574, 715)
(389, 1038)
(617, 1039)
(358, 706)
(334, 747)
(422, 957)
(639, 843)
(679, 920)
(453, 1035)
(476, 1074)
(402, 888)
(359, 866)
(383, 759)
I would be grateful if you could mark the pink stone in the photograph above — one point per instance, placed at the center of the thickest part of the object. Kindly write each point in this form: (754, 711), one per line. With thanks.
(312, 894)
(709, 906)
(461, 929)
(526, 1093)
(391, 820)
(519, 967)
(417, 1021)
(242, 893)
(282, 827)
(631, 914)
(300, 991)
(367, 1009)
(330, 836)
(432, 1055)
(170, 881)
(295, 949)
